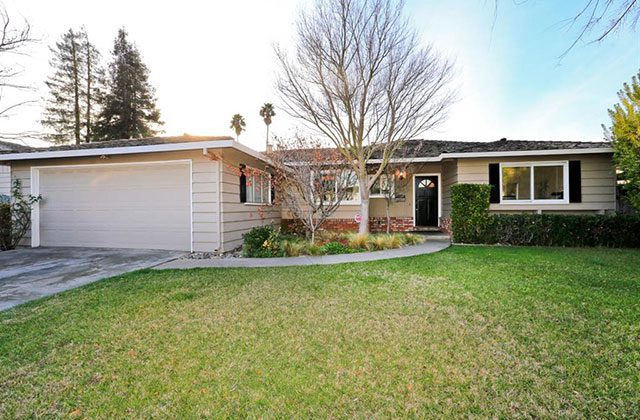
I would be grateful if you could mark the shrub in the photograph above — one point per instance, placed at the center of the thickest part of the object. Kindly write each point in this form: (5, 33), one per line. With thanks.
(358, 240)
(5, 227)
(470, 212)
(262, 242)
(293, 248)
(15, 216)
(564, 230)
(413, 239)
(332, 248)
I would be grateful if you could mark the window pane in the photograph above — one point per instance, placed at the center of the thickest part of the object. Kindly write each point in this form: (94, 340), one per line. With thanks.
(250, 189)
(548, 182)
(375, 189)
(329, 187)
(349, 182)
(516, 183)
(257, 188)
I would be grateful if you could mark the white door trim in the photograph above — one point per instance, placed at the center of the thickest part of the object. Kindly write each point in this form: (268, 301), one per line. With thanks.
(35, 190)
(439, 175)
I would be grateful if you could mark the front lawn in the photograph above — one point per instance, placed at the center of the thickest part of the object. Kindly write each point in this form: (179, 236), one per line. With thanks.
(470, 331)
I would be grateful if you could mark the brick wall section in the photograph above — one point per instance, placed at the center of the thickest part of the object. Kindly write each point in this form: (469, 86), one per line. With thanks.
(445, 225)
(376, 224)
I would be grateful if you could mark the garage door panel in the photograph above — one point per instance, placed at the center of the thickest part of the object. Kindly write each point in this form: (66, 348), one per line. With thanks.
(128, 206)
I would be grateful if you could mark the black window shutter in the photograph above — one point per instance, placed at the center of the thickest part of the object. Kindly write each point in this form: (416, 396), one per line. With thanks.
(273, 190)
(243, 185)
(494, 181)
(575, 182)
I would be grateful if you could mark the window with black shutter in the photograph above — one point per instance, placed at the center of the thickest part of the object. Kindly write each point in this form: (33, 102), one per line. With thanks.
(494, 181)
(575, 182)
(243, 184)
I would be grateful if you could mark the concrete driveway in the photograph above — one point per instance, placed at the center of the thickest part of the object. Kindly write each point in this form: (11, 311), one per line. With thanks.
(31, 273)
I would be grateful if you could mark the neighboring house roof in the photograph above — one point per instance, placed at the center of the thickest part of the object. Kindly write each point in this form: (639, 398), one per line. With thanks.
(130, 146)
(6, 146)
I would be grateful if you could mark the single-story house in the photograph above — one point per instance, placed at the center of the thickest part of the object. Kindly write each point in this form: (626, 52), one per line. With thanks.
(190, 193)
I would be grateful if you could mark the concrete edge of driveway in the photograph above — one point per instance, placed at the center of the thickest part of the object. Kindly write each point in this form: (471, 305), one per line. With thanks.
(432, 245)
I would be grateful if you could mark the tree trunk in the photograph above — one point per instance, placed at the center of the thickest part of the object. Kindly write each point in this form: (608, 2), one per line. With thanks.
(76, 91)
(388, 217)
(364, 205)
(267, 146)
(88, 115)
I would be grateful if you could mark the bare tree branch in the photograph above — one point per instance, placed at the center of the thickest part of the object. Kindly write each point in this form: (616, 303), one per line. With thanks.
(602, 17)
(361, 78)
(13, 40)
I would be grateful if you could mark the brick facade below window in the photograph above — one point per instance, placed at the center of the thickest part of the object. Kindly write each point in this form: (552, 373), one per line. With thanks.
(376, 224)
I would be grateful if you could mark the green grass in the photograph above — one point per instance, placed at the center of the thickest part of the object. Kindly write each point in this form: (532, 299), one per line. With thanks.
(471, 331)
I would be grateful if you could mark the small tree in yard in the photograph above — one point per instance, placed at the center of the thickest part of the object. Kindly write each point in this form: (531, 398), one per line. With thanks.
(15, 217)
(625, 133)
(391, 185)
(361, 78)
(310, 181)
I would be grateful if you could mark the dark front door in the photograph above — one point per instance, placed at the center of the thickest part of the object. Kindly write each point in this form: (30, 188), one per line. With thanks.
(426, 190)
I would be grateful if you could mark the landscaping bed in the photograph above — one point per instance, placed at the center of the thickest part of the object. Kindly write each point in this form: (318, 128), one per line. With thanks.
(269, 241)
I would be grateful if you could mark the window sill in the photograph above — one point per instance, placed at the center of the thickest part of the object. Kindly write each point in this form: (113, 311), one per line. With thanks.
(532, 203)
(257, 204)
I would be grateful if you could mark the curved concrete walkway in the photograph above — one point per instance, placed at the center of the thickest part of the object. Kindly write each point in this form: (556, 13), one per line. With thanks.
(433, 244)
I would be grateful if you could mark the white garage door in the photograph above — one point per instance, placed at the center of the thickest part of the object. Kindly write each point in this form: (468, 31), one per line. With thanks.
(118, 206)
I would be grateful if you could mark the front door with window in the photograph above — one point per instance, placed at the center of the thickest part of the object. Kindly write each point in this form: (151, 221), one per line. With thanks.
(426, 193)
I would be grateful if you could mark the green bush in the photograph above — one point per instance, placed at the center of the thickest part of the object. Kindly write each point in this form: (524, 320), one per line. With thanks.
(616, 231)
(262, 242)
(472, 223)
(333, 248)
(5, 227)
(470, 212)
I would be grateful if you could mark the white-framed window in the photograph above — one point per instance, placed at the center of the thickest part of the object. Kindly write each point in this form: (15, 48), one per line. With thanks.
(384, 185)
(534, 183)
(258, 186)
(345, 179)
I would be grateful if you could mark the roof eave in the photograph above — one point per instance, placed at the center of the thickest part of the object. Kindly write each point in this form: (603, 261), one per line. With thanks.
(126, 150)
(516, 153)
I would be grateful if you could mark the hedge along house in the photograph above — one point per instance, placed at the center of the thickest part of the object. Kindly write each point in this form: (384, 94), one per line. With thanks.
(527, 177)
(177, 193)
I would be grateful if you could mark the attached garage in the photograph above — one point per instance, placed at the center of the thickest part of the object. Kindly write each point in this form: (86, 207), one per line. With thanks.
(132, 205)
(175, 193)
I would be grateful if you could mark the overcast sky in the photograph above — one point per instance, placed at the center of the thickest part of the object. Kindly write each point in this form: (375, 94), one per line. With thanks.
(210, 60)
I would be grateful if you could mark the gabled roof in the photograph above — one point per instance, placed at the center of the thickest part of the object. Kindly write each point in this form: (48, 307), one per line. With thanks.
(435, 148)
(147, 141)
(130, 146)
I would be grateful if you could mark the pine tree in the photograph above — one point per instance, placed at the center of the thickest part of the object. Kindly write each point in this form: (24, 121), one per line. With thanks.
(130, 104)
(74, 88)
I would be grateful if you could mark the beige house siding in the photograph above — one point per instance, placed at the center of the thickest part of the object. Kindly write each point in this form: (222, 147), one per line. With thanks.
(238, 218)
(204, 178)
(449, 178)
(5, 179)
(597, 174)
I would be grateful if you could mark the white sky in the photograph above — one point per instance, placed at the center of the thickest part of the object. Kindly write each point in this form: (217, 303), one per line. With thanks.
(210, 60)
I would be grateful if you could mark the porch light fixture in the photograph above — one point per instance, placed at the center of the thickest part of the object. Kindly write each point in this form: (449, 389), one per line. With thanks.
(400, 174)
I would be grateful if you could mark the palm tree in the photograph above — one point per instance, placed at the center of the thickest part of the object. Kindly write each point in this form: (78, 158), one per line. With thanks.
(238, 124)
(267, 112)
